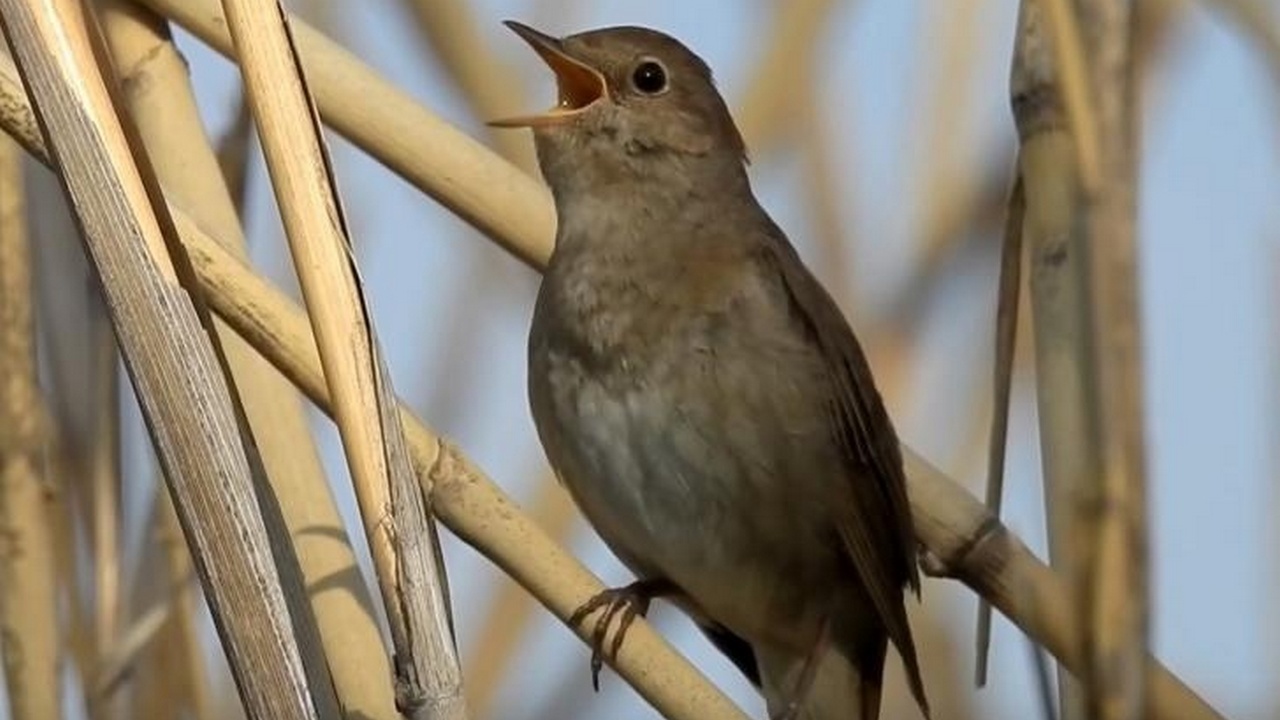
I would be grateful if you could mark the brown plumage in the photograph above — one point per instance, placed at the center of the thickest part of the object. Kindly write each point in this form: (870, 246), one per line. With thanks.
(699, 393)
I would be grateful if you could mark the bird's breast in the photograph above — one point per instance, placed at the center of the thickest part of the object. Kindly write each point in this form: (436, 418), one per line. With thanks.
(679, 439)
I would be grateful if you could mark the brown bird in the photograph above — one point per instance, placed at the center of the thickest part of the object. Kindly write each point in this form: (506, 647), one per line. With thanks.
(699, 393)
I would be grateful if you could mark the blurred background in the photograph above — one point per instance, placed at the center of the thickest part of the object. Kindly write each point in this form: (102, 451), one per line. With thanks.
(882, 141)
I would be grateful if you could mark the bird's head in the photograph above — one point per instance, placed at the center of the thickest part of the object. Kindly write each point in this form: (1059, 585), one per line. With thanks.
(635, 107)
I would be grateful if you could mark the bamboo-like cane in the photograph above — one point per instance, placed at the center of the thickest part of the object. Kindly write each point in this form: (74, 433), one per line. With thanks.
(1007, 303)
(510, 609)
(156, 87)
(100, 499)
(950, 522)
(1082, 212)
(1055, 244)
(101, 473)
(1117, 613)
(1073, 83)
(193, 423)
(489, 89)
(390, 126)
(78, 629)
(31, 645)
(402, 539)
(233, 152)
(80, 357)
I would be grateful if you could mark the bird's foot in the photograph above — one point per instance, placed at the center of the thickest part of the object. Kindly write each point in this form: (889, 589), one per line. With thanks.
(624, 603)
(808, 671)
(790, 712)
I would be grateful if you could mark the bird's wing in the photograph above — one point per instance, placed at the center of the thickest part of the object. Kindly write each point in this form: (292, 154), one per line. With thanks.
(878, 534)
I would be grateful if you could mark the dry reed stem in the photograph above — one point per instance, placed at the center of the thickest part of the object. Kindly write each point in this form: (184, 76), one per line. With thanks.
(426, 151)
(1007, 303)
(30, 646)
(489, 89)
(157, 89)
(406, 557)
(78, 351)
(1060, 299)
(1116, 606)
(511, 607)
(936, 640)
(103, 476)
(133, 641)
(1056, 248)
(1074, 85)
(77, 640)
(99, 469)
(193, 424)
(234, 150)
(950, 522)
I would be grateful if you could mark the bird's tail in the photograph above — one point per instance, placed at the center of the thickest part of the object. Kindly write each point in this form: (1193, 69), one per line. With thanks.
(841, 689)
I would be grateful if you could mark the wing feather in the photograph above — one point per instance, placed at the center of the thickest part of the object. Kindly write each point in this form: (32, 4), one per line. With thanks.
(878, 533)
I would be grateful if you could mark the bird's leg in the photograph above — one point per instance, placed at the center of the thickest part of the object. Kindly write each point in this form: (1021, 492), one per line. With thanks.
(809, 671)
(623, 603)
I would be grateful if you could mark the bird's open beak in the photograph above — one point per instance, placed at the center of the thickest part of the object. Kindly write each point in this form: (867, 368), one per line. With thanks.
(579, 85)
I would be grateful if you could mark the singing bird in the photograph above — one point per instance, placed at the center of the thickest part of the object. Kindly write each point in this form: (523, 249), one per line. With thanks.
(701, 396)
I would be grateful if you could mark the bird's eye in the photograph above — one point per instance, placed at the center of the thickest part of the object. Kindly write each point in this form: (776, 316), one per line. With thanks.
(649, 77)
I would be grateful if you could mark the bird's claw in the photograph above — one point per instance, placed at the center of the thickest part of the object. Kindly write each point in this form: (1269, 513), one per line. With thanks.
(625, 604)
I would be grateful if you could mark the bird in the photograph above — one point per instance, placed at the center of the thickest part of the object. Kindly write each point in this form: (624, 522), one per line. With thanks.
(701, 396)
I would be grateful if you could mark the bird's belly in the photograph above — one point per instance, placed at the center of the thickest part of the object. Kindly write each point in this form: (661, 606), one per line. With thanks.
(673, 497)
(637, 490)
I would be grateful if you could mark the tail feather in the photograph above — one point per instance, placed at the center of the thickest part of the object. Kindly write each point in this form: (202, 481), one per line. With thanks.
(735, 648)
